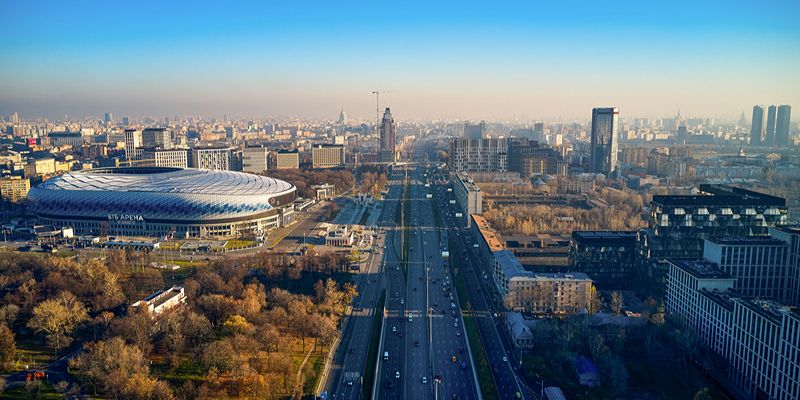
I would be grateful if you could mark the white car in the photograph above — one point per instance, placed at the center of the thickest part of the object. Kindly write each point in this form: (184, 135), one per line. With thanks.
(410, 318)
(402, 301)
(397, 375)
(505, 359)
(394, 329)
(424, 379)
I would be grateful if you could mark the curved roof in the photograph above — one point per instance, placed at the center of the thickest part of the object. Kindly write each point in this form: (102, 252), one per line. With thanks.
(159, 194)
(168, 180)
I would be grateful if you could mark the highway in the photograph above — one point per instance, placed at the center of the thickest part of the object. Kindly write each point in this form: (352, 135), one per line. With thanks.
(421, 348)
(500, 355)
(345, 379)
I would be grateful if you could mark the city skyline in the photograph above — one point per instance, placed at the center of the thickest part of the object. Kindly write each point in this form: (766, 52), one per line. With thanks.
(546, 62)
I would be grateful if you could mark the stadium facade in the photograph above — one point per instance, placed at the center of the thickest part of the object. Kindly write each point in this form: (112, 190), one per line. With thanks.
(155, 201)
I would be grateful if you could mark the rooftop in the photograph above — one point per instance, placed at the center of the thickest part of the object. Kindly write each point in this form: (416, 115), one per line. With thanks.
(492, 238)
(722, 297)
(720, 195)
(605, 238)
(794, 229)
(769, 308)
(746, 240)
(701, 268)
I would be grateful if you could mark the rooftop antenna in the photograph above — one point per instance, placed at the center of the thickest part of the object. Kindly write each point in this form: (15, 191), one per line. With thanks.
(377, 93)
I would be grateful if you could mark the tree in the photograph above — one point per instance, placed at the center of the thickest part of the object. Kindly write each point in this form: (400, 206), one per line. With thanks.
(137, 327)
(57, 319)
(617, 302)
(659, 317)
(238, 324)
(595, 301)
(8, 348)
(8, 313)
(108, 365)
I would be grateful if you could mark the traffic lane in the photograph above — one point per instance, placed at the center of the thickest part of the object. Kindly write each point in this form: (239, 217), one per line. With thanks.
(505, 379)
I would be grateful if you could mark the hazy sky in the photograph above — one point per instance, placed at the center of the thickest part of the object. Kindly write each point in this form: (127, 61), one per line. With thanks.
(482, 60)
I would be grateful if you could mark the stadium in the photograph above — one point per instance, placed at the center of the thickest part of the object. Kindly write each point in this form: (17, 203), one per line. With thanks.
(156, 201)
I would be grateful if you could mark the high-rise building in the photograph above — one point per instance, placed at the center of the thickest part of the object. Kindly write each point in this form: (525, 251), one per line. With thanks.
(757, 337)
(157, 157)
(479, 155)
(757, 126)
(529, 157)
(14, 118)
(255, 159)
(388, 137)
(475, 131)
(342, 118)
(14, 188)
(328, 155)
(230, 133)
(782, 123)
(287, 159)
(790, 234)
(538, 131)
(603, 148)
(108, 118)
(213, 158)
(608, 257)
(126, 121)
(133, 144)
(679, 224)
(157, 137)
(769, 134)
(758, 263)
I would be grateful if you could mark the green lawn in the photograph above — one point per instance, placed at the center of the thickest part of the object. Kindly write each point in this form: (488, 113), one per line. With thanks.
(372, 352)
(45, 393)
(482, 368)
(236, 244)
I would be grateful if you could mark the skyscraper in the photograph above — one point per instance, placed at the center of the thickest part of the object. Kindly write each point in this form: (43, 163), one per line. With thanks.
(475, 131)
(342, 118)
(388, 137)
(782, 125)
(108, 117)
(757, 127)
(603, 149)
(769, 135)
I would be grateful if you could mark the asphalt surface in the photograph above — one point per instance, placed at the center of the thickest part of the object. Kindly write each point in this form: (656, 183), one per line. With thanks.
(345, 378)
(501, 356)
(424, 346)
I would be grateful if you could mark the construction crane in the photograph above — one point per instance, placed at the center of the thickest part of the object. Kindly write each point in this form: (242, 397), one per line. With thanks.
(378, 93)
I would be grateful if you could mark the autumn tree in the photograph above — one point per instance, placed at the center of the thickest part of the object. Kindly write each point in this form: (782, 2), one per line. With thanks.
(617, 302)
(58, 318)
(8, 348)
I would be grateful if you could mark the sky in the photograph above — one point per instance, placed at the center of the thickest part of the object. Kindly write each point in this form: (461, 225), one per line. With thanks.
(493, 60)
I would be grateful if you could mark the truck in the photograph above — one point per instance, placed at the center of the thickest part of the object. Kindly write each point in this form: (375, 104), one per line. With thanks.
(459, 215)
(385, 356)
(452, 202)
(429, 196)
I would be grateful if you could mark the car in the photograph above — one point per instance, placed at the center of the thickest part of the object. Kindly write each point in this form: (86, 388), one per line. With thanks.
(505, 359)
(455, 324)
(410, 318)
(424, 379)
(349, 383)
(460, 349)
(350, 350)
(397, 375)
(416, 343)
(394, 329)
(458, 333)
(402, 301)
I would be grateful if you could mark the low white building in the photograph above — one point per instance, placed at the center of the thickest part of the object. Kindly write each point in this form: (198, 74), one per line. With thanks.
(163, 300)
(340, 235)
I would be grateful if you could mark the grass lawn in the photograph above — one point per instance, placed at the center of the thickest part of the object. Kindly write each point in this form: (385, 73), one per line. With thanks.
(482, 368)
(170, 245)
(372, 351)
(19, 392)
(236, 244)
(188, 369)
(32, 352)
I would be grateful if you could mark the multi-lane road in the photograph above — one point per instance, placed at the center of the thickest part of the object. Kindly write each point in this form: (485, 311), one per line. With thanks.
(345, 378)
(423, 351)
